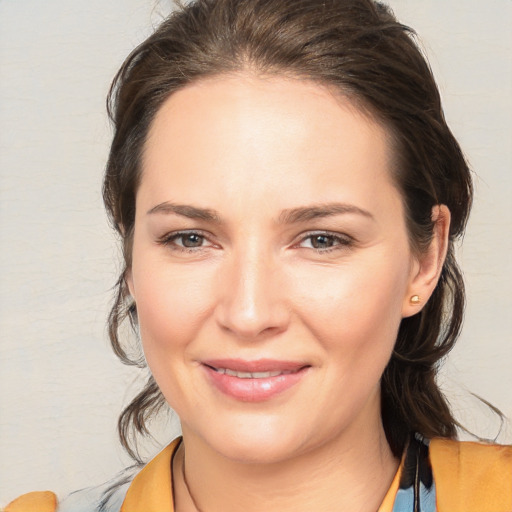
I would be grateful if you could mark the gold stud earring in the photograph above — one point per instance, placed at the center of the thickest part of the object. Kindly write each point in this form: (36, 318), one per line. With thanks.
(415, 300)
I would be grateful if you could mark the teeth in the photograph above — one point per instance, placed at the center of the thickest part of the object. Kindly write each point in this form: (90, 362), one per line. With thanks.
(252, 375)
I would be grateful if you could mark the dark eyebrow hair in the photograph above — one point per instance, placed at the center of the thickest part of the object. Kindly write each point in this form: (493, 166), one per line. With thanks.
(290, 216)
(306, 213)
(185, 210)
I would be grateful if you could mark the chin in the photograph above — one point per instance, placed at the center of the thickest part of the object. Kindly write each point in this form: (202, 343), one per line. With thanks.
(251, 451)
(266, 441)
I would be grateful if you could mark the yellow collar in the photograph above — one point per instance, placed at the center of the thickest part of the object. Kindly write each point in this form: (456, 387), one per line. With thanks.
(152, 487)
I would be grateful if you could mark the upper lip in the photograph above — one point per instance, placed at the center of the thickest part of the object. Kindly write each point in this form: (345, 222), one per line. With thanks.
(258, 365)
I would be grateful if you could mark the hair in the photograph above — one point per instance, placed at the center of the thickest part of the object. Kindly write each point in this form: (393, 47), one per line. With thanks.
(358, 48)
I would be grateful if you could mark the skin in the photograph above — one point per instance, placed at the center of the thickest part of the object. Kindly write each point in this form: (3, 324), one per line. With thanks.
(253, 149)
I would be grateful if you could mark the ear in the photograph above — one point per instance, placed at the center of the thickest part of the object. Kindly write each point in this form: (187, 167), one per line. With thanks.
(127, 276)
(128, 279)
(427, 266)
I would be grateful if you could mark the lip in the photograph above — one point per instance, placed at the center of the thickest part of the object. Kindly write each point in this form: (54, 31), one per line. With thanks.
(252, 389)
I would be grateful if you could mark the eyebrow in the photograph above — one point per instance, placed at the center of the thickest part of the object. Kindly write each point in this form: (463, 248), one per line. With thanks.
(186, 210)
(288, 216)
(303, 214)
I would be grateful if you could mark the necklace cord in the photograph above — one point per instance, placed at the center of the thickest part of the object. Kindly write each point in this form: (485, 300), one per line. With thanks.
(183, 473)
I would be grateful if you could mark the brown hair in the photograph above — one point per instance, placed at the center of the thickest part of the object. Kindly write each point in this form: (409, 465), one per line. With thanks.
(358, 47)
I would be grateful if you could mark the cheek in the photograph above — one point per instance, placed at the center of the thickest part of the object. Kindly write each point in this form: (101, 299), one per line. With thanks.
(356, 306)
(171, 307)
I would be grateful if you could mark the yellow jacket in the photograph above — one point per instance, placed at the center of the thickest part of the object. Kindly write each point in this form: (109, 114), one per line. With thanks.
(468, 477)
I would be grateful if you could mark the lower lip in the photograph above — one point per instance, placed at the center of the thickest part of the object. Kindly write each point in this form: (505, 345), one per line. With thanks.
(254, 390)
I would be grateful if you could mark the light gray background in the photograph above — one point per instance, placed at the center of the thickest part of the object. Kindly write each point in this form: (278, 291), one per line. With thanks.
(61, 389)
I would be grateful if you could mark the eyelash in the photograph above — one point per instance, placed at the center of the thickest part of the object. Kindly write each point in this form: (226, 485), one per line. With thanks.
(169, 240)
(339, 241)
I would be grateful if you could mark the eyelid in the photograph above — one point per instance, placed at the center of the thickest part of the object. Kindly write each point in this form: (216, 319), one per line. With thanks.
(343, 240)
(168, 240)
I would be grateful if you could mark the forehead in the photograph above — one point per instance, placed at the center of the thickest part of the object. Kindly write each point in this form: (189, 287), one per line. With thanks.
(243, 136)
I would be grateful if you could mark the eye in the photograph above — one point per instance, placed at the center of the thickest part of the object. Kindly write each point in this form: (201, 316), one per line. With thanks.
(322, 241)
(325, 242)
(190, 241)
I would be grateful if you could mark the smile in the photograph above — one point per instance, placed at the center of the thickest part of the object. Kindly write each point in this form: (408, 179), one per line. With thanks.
(254, 381)
(252, 375)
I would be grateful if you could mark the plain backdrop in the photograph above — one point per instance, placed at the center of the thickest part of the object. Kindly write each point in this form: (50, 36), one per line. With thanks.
(61, 389)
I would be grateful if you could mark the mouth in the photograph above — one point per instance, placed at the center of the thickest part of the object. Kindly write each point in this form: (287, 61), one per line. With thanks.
(254, 381)
(251, 375)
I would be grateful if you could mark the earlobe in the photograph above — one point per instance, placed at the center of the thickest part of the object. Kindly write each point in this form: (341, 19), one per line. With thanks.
(429, 265)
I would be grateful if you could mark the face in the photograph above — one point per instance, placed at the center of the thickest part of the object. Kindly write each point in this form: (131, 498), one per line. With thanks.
(271, 264)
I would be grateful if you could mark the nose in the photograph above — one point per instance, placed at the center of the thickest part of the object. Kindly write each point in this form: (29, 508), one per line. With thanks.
(252, 301)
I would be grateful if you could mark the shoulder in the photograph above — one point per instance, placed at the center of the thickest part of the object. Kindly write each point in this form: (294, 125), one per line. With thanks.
(41, 501)
(107, 497)
(472, 476)
(104, 498)
(128, 489)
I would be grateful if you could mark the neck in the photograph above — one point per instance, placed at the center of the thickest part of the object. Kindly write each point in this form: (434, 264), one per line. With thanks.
(352, 472)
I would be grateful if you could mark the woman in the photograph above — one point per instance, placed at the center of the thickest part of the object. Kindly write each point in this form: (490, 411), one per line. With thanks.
(288, 195)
